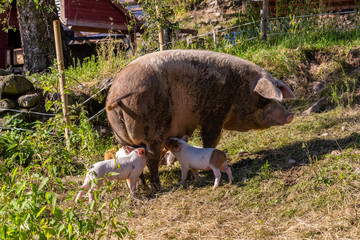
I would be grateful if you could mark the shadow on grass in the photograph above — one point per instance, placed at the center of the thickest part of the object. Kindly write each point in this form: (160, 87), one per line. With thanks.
(301, 152)
(249, 165)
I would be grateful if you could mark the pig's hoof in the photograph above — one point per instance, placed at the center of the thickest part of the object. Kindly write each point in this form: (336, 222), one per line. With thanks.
(156, 187)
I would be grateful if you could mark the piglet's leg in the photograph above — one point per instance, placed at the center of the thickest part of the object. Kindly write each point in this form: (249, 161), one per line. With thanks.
(132, 184)
(228, 172)
(195, 173)
(217, 174)
(128, 182)
(94, 185)
(225, 168)
(184, 171)
(84, 186)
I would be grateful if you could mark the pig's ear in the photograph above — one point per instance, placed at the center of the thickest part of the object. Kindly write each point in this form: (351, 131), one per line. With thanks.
(177, 147)
(287, 93)
(128, 149)
(141, 152)
(185, 138)
(267, 89)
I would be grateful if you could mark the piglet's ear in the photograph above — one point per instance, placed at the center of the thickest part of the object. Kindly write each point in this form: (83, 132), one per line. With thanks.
(185, 138)
(267, 89)
(141, 152)
(177, 147)
(128, 149)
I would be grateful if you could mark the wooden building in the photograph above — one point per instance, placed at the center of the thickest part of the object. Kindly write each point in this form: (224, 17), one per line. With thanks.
(82, 17)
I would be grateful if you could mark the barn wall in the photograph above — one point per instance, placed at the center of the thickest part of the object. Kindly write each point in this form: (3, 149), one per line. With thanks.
(92, 11)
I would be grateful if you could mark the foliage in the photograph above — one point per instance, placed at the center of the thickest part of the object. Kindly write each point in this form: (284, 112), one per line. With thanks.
(32, 170)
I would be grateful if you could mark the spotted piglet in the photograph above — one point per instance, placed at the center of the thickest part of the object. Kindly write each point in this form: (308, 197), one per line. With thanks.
(127, 167)
(197, 158)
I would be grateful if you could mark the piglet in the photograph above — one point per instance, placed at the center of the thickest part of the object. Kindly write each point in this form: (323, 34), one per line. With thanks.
(127, 167)
(198, 159)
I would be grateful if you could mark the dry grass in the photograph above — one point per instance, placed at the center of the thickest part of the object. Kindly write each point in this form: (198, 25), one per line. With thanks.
(317, 197)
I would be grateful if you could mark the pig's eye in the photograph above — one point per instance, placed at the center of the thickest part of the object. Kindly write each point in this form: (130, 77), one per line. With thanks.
(263, 102)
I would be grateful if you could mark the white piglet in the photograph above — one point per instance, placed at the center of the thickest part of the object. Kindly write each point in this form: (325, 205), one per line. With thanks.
(196, 158)
(123, 167)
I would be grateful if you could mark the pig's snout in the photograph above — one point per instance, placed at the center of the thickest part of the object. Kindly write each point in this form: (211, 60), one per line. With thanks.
(289, 118)
(279, 118)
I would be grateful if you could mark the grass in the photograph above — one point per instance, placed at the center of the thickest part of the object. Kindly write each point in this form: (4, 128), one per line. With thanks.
(298, 181)
(317, 197)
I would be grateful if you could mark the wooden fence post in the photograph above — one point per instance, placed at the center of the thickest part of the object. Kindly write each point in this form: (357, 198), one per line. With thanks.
(214, 38)
(132, 35)
(264, 21)
(161, 31)
(60, 62)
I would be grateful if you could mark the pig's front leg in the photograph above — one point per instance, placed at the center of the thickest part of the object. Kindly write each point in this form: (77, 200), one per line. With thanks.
(210, 135)
(154, 152)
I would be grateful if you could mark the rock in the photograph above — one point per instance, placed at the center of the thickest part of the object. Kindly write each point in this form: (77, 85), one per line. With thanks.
(202, 4)
(7, 104)
(353, 57)
(210, 10)
(4, 72)
(105, 131)
(335, 152)
(315, 108)
(217, 14)
(28, 100)
(15, 85)
(31, 117)
(291, 161)
(318, 87)
(52, 96)
(214, 22)
(104, 82)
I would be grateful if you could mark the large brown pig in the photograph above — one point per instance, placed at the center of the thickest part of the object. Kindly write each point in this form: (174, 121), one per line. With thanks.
(177, 91)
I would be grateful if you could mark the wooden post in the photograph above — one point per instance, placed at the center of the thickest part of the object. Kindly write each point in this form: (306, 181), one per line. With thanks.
(214, 38)
(166, 37)
(135, 43)
(173, 38)
(161, 32)
(132, 35)
(264, 21)
(60, 62)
